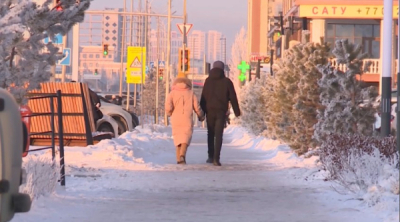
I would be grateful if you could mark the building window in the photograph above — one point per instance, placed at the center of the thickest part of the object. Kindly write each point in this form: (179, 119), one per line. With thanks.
(366, 35)
(90, 56)
(97, 56)
(84, 55)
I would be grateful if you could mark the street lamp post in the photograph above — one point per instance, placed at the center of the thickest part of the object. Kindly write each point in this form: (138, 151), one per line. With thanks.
(167, 74)
(398, 83)
(387, 67)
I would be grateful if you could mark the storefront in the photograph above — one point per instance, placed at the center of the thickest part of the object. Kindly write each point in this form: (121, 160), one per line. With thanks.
(360, 24)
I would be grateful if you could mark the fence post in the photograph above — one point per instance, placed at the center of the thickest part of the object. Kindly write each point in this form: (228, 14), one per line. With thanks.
(53, 143)
(61, 137)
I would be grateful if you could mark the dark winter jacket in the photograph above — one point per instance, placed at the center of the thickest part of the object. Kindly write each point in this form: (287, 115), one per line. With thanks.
(218, 91)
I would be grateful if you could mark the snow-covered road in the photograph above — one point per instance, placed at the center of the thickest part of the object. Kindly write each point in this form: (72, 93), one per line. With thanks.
(247, 187)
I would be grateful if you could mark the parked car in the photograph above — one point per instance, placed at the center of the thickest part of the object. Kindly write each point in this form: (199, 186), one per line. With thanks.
(124, 99)
(121, 116)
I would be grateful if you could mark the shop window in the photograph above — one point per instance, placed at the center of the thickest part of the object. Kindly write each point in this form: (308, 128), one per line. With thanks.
(366, 35)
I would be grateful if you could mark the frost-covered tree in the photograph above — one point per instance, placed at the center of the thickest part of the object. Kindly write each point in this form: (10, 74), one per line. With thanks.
(238, 54)
(295, 97)
(347, 104)
(253, 104)
(24, 58)
(306, 100)
(149, 96)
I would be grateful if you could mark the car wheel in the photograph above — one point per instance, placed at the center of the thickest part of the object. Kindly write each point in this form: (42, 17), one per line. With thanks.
(121, 127)
(105, 128)
(135, 120)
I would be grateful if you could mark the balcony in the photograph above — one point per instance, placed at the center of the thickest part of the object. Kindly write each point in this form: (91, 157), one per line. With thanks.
(372, 69)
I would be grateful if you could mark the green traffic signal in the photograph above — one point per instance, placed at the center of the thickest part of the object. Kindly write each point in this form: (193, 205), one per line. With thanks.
(105, 49)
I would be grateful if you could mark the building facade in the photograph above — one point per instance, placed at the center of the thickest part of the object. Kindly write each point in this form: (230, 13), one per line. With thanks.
(361, 22)
(196, 42)
(258, 23)
(214, 50)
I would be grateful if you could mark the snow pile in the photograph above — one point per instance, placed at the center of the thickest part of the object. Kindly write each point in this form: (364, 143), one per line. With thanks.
(42, 174)
(369, 177)
(279, 154)
(383, 193)
(104, 161)
(125, 152)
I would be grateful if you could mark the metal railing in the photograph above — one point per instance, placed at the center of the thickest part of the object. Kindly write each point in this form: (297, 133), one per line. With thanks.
(52, 131)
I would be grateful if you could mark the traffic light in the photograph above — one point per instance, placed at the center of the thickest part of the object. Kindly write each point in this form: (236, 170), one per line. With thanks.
(105, 49)
(186, 60)
(96, 72)
(160, 73)
(11, 147)
(278, 23)
(208, 68)
(57, 5)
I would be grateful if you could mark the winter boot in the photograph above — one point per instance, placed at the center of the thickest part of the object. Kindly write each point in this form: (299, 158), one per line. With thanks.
(216, 163)
(182, 160)
(178, 154)
(210, 159)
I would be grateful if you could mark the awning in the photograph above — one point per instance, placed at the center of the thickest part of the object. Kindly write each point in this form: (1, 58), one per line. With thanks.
(289, 13)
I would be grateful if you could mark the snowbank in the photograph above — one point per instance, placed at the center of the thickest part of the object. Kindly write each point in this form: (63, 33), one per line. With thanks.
(276, 152)
(379, 175)
(42, 174)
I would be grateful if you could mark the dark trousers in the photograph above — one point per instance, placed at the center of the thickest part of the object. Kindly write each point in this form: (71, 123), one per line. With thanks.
(215, 127)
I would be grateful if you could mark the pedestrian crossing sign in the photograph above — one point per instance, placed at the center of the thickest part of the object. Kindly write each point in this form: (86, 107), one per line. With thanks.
(135, 62)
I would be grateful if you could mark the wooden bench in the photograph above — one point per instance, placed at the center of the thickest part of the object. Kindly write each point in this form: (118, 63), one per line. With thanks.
(78, 123)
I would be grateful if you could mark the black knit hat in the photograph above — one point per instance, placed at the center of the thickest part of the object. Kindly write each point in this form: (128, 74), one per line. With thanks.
(219, 64)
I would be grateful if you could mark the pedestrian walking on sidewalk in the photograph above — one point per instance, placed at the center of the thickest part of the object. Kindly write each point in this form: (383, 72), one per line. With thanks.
(218, 91)
(180, 104)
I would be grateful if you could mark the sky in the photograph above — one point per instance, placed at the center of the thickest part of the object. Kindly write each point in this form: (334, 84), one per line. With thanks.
(226, 16)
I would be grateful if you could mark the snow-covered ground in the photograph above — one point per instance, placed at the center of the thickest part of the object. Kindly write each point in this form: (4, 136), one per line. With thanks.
(136, 178)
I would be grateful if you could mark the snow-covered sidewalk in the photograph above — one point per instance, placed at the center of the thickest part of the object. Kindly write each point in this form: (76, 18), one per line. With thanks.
(135, 178)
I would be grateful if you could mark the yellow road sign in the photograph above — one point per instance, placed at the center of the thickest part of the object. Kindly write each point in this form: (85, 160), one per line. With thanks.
(135, 64)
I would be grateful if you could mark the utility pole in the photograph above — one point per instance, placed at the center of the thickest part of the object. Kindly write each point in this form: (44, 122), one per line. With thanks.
(128, 85)
(398, 83)
(132, 44)
(158, 68)
(194, 43)
(131, 30)
(386, 67)
(121, 77)
(184, 39)
(168, 58)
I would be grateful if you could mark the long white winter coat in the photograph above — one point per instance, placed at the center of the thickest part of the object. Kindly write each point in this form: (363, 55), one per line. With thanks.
(179, 106)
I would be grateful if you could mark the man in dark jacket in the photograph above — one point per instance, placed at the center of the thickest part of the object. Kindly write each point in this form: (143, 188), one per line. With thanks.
(218, 91)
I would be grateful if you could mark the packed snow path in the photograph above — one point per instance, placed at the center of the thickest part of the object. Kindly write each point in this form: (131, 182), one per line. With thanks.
(245, 188)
